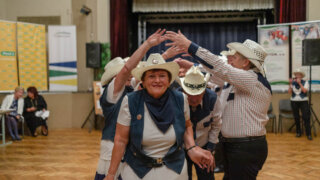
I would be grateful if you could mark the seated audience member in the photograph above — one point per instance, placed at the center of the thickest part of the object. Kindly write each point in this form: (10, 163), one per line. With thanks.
(14, 102)
(33, 103)
(299, 101)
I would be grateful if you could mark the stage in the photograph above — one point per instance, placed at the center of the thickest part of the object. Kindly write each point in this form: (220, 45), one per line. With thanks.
(74, 153)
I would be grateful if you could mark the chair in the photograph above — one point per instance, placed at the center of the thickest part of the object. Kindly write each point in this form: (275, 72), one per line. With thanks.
(272, 117)
(22, 125)
(285, 111)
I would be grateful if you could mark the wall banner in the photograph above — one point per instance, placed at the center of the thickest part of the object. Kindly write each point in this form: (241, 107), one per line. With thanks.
(8, 59)
(32, 55)
(62, 58)
(275, 41)
(299, 32)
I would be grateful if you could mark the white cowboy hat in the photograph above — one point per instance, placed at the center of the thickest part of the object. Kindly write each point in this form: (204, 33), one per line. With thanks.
(112, 69)
(299, 71)
(255, 53)
(194, 83)
(156, 61)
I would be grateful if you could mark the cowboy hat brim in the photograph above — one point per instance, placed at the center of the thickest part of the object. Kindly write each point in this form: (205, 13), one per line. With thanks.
(108, 75)
(195, 91)
(299, 72)
(171, 67)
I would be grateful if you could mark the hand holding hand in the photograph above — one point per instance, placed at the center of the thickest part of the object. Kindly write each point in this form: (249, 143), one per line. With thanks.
(202, 158)
(109, 177)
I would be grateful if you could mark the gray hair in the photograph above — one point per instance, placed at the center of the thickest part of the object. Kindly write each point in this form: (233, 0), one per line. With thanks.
(19, 89)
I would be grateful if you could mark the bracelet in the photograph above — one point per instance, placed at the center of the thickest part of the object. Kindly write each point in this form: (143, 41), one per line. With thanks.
(110, 174)
(191, 148)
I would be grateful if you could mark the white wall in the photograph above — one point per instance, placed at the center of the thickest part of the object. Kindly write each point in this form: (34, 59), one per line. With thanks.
(2, 9)
(103, 11)
(16, 8)
(313, 12)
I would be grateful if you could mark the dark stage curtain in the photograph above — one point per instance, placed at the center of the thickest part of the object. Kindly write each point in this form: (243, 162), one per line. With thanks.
(212, 36)
(119, 28)
(290, 10)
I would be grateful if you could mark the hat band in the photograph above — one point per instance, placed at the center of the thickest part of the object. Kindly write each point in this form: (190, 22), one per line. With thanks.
(193, 86)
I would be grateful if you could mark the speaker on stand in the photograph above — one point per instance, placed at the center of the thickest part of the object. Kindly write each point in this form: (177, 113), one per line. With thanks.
(311, 56)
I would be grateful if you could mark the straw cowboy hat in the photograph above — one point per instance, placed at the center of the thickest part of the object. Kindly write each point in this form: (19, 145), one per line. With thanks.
(156, 61)
(299, 71)
(194, 82)
(255, 53)
(112, 69)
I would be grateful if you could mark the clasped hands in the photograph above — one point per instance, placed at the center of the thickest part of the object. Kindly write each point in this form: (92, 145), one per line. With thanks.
(203, 158)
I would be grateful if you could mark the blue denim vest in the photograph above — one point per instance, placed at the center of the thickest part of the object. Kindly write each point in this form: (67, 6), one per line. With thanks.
(302, 94)
(110, 113)
(134, 156)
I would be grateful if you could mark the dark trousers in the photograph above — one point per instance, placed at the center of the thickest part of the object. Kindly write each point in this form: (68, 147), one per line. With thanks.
(302, 106)
(202, 174)
(12, 125)
(243, 160)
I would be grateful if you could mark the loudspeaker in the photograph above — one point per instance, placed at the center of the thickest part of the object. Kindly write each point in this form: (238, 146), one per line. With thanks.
(93, 51)
(311, 52)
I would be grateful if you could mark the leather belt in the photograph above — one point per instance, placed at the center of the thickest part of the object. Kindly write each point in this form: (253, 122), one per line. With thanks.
(243, 139)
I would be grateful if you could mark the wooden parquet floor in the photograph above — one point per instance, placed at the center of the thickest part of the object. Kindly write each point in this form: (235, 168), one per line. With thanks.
(73, 154)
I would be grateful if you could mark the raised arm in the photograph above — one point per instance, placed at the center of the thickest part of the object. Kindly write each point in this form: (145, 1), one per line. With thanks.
(244, 80)
(121, 78)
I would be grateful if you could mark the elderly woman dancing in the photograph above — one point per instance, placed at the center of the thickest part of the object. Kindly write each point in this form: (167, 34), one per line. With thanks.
(153, 124)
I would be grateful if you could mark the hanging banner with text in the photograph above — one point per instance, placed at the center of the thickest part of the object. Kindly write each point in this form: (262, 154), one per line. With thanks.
(62, 58)
(32, 55)
(301, 31)
(8, 59)
(275, 41)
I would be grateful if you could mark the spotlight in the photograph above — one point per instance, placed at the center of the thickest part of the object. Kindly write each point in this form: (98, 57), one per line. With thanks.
(85, 10)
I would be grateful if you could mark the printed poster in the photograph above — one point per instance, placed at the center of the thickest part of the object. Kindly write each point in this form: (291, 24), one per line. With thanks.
(62, 58)
(8, 59)
(32, 55)
(301, 31)
(275, 40)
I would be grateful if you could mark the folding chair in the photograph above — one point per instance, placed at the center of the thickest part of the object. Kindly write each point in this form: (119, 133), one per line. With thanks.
(285, 111)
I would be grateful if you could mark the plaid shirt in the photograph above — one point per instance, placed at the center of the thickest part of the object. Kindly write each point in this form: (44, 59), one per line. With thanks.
(245, 99)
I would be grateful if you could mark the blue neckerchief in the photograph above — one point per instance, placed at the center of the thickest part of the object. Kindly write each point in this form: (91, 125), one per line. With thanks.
(296, 85)
(161, 110)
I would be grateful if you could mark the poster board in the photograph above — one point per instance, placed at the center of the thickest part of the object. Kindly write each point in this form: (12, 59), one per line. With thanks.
(32, 55)
(275, 40)
(8, 58)
(299, 32)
